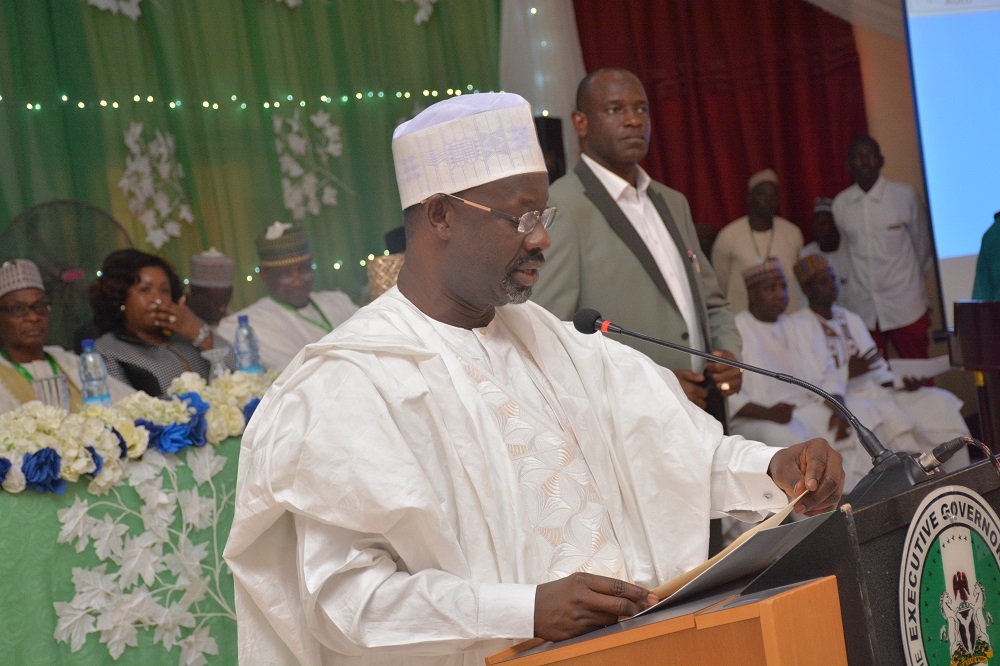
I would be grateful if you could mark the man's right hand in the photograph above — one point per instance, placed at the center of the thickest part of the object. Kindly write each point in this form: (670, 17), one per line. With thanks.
(692, 382)
(582, 602)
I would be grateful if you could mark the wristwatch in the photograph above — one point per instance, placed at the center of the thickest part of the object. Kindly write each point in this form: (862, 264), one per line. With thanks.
(203, 333)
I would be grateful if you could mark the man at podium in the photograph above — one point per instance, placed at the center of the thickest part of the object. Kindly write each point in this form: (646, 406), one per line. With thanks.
(453, 469)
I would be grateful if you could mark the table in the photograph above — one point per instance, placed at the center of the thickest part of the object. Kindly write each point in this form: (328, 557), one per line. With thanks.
(138, 576)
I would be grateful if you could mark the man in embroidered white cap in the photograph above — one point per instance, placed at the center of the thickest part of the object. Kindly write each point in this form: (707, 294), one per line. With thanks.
(24, 328)
(210, 285)
(292, 315)
(753, 238)
(454, 469)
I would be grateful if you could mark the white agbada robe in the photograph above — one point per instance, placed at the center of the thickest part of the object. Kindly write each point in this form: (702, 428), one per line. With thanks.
(791, 347)
(282, 331)
(380, 514)
(912, 420)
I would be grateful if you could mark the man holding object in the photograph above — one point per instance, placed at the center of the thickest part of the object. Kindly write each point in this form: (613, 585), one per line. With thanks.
(454, 470)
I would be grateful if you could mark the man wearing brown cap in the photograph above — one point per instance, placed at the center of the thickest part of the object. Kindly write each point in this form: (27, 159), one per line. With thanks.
(454, 469)
(914, 417)
(754, 237)
(829, 243)
(292, 315)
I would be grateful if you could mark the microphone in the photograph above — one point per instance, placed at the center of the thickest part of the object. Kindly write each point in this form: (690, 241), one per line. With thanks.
(891, 472)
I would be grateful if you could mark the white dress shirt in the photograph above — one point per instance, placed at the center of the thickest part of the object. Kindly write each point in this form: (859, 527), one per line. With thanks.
(640, 211)
(887, 234)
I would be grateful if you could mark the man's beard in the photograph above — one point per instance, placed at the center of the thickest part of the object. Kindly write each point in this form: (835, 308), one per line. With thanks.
(515, 293)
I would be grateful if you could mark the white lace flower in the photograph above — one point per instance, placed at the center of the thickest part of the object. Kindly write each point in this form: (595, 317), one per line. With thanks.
(305, 154)
(153, 184)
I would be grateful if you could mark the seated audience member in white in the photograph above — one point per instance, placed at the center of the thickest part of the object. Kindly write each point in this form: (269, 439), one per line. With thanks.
(24, 328)
(914, 418)
(210, 286)
(292, 315)
(454, 469)
(776, 412)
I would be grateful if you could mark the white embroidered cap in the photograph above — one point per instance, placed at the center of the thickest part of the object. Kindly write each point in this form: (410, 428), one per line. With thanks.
(19, 274)
(465, 141)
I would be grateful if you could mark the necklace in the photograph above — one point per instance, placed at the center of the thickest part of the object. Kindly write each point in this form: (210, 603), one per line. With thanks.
(23, 371)
(753, 239)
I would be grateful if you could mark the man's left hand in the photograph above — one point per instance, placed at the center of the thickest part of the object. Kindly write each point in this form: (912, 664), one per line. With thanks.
(814, 466)
(725, 377)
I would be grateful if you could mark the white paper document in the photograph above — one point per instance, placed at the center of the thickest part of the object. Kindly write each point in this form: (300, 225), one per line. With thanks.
(920, 368)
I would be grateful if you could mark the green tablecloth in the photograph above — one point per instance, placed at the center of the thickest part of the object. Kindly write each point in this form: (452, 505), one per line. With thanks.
(149, 575)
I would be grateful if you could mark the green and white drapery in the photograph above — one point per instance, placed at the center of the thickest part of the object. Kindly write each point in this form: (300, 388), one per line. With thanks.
(197, 124)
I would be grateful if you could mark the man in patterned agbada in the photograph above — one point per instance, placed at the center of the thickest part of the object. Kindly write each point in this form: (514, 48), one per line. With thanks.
(454, 470)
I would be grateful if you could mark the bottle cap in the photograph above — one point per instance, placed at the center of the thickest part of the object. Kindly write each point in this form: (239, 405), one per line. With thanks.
(87, 345)
(243, 320)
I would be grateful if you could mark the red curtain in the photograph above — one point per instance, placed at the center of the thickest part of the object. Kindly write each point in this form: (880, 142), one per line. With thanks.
(736, 86)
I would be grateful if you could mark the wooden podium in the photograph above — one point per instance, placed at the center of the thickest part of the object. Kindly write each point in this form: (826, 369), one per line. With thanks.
(794, 625)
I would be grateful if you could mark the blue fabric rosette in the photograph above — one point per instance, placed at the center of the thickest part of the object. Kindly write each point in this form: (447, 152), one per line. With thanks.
(41, 471)
(249, 409)
(98, 460)
(5, 466)
(198, 425)
(170, 438)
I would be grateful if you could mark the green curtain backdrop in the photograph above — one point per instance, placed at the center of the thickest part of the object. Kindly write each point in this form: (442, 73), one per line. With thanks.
(296, 125)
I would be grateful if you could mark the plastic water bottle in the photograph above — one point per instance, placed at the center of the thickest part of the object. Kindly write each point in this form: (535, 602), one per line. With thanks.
(93, 376)
(246, 347)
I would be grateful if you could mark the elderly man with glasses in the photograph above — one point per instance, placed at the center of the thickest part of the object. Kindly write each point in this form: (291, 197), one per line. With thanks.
(454, 469)
(24, 328)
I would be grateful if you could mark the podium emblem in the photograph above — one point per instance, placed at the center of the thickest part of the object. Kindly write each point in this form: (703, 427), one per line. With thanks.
(949, 581)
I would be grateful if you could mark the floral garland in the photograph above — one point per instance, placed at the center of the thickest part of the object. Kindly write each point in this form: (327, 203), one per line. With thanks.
(45, 448)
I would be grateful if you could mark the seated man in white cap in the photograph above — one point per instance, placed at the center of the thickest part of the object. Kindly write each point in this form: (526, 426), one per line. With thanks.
(210, 286)
(292, 315)
(753, 238)
(24, 328)
(777, 412)
(454, 469)
(914, 417)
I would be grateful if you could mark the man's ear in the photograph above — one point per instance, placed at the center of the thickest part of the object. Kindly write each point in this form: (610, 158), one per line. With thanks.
(438, 215)
(579, 124)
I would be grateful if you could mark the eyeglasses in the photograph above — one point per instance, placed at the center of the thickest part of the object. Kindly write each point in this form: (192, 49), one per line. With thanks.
(41, 308)
(525, 223)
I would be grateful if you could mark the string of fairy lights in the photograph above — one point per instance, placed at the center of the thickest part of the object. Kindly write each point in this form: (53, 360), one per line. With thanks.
(240, 103)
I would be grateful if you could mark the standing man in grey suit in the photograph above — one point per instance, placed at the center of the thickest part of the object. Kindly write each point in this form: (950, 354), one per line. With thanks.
(625, 245)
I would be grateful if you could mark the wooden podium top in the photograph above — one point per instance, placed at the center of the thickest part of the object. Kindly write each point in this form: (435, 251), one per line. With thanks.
(798, 624)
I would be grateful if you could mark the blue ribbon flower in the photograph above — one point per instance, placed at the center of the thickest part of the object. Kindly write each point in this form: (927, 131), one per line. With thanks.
(98, 461)
(169, 438)
(198, 425)
(121, 443)
(41, 471)
(249, 409)
(5, 466)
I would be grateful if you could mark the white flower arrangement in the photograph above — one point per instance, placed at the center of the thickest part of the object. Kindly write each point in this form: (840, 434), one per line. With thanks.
(44, 448)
